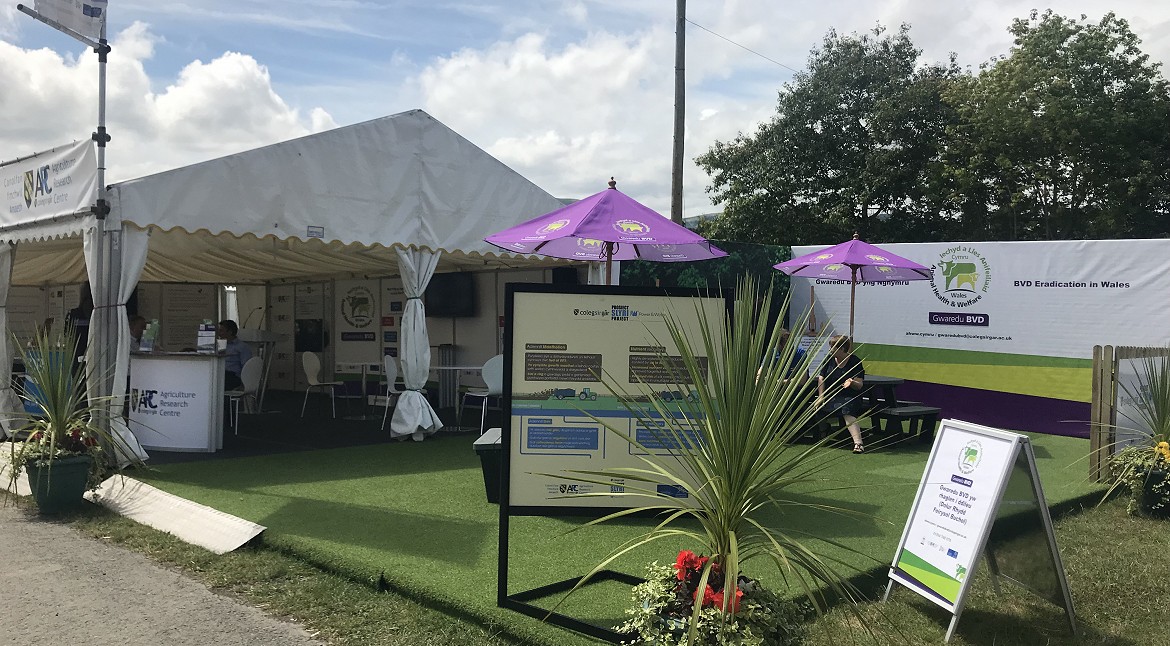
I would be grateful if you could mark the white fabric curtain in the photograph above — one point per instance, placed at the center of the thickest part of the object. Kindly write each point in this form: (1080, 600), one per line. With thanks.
(134, 245)
(413, 414)
(9, 401)
(597, 273)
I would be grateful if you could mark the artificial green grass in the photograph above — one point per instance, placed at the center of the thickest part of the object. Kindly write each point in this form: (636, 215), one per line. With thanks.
(414, 516)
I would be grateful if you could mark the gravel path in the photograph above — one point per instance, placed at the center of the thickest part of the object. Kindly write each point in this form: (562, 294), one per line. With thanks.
(58, 587)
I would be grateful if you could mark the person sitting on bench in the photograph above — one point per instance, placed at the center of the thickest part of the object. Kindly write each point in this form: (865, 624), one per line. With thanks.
(844, 376)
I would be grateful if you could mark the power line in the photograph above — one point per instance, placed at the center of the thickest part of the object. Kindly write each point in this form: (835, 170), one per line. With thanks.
(742, 47)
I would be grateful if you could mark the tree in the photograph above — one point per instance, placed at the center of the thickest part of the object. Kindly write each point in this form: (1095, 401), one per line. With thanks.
(1063, 138)
(856, 144)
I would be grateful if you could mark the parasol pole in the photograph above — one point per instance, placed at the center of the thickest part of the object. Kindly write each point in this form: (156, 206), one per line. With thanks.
(852, 300)
(608, 261)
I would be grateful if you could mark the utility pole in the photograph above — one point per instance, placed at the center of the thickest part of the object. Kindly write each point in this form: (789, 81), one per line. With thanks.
(676, 180)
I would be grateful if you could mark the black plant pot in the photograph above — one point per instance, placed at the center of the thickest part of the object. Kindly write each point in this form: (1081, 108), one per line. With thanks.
(1151, 497)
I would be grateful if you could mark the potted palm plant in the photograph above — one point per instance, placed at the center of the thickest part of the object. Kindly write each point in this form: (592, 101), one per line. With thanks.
(742, 460)
(65, 436)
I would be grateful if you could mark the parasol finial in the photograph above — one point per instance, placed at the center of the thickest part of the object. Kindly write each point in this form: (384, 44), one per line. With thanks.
(855, 235)
(612, 183)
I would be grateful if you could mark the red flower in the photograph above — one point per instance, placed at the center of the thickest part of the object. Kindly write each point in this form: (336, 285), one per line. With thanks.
(709, 596)
(687, 563)
(684, 562)
(717, 600)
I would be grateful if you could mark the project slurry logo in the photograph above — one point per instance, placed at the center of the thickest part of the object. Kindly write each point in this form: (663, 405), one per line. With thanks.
(357, 307)
(551, 227)
(619, 312)
(970, 456)
(961, 277)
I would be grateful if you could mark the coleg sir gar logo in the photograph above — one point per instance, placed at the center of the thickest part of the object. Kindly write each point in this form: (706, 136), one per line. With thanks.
(961, 277)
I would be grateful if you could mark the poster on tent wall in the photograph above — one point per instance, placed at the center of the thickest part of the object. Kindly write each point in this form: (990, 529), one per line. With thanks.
(356, 319)
(1003, 326)
(184, 308)
(57, 182)
(390, 323)
(27, 310)
(557, 347)
(280, 322)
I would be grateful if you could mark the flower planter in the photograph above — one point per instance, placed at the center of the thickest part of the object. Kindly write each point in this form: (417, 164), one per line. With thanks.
(1156, 490)
(58, 486)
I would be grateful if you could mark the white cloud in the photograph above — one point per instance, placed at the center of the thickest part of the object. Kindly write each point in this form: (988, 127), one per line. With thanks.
(568, 116)
(216, 108)
(571, 93)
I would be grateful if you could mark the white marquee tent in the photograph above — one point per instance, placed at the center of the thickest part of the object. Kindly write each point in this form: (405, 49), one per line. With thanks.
(401, 195)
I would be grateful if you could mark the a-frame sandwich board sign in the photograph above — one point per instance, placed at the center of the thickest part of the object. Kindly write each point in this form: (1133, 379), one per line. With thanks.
(980, 495)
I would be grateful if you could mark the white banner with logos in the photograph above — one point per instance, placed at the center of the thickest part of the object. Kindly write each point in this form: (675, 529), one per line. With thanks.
(1051, 299)
(86, 17)
(61, 181)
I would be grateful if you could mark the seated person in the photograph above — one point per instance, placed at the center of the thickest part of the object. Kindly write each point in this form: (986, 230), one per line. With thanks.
(796, 363)
(237, 351)
(137, 327)
(843, 378)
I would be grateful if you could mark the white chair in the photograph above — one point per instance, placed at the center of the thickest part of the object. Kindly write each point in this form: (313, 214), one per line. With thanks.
(493, 377)
(390, 369)
(312, 365)
(250, 376)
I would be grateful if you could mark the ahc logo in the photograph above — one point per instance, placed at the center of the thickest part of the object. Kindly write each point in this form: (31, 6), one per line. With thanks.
(141, 399)
(36, 184)
(961, 276)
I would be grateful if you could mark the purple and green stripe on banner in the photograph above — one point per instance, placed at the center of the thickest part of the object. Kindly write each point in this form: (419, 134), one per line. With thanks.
(928, 577)
(1010, 391)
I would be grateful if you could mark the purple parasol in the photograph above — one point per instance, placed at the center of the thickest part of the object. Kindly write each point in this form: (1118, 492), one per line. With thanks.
(852, 260)
(609, 225)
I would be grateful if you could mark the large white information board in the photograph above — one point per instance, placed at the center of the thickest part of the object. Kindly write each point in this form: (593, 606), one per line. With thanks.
(967, 477)
(560, 345)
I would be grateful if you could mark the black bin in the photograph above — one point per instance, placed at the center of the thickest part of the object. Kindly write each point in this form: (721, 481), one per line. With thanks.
(491, 459)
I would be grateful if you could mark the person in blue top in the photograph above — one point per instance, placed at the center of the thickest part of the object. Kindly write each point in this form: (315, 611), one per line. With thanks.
(237, 353)
(796, 362)
(843, 378)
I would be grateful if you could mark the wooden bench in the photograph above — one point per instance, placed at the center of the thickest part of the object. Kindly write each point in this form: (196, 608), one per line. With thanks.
(921, 418)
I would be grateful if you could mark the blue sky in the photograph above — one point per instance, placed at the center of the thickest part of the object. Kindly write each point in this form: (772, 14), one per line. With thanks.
(568, 93)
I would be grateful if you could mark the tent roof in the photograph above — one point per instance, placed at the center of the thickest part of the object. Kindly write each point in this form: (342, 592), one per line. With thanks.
(328, 204)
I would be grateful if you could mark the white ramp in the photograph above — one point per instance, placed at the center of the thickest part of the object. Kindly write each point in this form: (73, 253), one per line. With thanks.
(189, 521)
